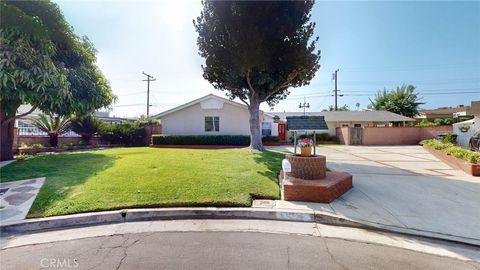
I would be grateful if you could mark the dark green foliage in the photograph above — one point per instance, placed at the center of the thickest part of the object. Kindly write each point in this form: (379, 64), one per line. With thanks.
(86, 126)
(53, 125)
(449, 138)
(257, 50)
(319, 137)
(451, 149)
(403, 100)
(45, 64)
(270, 139)
(201, 140)
(127, 133)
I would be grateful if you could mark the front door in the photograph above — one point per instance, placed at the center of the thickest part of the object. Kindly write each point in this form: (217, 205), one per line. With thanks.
(281, 131)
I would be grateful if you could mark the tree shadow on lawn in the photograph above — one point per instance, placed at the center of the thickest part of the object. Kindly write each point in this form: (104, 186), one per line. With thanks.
(64, 172)
(272, 160)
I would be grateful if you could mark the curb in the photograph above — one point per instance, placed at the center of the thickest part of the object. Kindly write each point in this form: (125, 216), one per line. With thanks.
(150, 214)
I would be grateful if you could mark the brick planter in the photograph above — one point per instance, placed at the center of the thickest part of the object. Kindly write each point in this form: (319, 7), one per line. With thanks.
(470, 168)
(308, 168)
(310, 182)
(322, 190)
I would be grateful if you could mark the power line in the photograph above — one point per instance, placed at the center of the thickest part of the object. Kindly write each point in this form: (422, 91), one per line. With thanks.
(148, 80)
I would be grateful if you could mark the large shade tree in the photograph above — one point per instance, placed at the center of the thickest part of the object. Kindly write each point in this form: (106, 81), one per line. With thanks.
(403, 100)
(44, 64)
(256, 51)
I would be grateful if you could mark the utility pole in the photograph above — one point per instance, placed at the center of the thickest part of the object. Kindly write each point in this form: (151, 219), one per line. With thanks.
(304, 105)
(334, 77)
(149, 79)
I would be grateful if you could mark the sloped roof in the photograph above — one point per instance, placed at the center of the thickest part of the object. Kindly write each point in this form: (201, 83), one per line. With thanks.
(198, 100)
(351, 116)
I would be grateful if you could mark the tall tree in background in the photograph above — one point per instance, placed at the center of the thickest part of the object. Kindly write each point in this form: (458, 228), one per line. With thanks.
(342, 108)
(256, 51)
(44, 64)
(402, 100)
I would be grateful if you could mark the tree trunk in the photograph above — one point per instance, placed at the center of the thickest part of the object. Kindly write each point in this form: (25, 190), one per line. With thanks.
(255, 135)
(6, 137)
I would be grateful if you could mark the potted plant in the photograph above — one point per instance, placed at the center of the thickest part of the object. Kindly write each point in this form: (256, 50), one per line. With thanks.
(305, 145)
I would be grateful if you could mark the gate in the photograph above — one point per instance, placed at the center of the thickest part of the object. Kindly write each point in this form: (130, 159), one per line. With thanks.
(355, 136)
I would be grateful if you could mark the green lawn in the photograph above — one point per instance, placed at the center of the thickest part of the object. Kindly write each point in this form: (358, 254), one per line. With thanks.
(148, 177)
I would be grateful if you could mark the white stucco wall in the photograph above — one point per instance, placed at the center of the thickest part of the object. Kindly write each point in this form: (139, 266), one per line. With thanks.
(234, 120)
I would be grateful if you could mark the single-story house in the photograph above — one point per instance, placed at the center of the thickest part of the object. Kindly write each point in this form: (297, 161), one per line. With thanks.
(214, 115)
(459, 112)
(336, 119)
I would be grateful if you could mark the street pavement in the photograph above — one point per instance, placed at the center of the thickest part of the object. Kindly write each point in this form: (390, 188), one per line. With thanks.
(401, 187)
(229, 244)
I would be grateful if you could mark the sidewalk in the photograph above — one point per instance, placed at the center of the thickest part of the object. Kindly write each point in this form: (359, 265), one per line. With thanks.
(400, 187)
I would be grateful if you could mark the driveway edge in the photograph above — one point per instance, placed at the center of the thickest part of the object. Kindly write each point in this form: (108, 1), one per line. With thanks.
(149, 214)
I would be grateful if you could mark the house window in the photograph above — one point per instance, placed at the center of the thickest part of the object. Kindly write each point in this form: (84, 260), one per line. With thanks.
(212, 123)
(344, 125)
(357, 125)
(266, 128)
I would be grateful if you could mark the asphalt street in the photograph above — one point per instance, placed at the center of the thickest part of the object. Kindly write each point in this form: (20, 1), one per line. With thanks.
(219, 250)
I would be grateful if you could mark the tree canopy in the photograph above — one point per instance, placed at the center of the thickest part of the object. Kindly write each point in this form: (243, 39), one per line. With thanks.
(256, 51)
(44, 64)
(402, 100)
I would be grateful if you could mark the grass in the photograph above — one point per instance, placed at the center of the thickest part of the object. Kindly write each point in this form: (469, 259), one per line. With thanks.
(147, 177)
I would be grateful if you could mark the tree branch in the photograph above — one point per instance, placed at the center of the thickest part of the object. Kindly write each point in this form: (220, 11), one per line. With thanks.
(9, 119)
(290, 78)
(247, 76)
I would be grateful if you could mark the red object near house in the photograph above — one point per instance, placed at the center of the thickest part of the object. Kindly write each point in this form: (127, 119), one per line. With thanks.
(282, 131)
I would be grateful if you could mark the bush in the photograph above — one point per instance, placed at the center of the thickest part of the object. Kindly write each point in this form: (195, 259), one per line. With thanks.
(32, 146)
(201, 140)
(425, 123)
(128, 133)
(319, 137)
(270, 139)
(455, 151)
(449, 138)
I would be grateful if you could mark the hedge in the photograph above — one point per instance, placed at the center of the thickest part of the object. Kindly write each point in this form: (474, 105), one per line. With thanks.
(455, 151)
(200, 140)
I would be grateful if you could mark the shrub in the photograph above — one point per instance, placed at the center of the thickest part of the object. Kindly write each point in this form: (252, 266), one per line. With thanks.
(201, 140)
(455, 151)
(86, 126)
(425, 123)
(449, 138)
(128, 133)
(319, 137)
(270, 139)
(447, 121)
(149, 122)
(32, 146)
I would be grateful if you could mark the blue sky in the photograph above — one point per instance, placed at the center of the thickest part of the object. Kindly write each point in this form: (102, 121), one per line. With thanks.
(432, 45)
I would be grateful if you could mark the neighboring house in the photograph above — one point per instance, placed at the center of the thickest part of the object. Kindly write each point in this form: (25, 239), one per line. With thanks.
(459, 112)
(212, 115)
(336, 119)
(26, 128)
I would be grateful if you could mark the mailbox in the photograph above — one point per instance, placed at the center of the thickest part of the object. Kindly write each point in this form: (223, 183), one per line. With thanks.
(286, 166)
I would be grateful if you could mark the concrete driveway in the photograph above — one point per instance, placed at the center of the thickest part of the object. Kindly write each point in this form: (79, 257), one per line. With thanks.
(402, 187)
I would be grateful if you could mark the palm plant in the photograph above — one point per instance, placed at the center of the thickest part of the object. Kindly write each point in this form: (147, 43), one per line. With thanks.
(86, 126)
(402, 100)
(53, 125)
